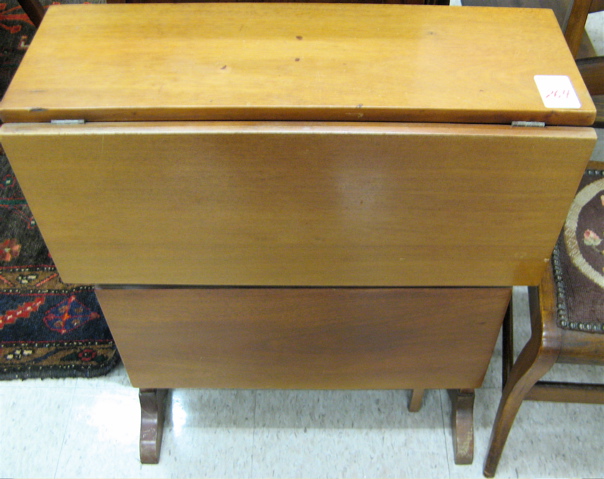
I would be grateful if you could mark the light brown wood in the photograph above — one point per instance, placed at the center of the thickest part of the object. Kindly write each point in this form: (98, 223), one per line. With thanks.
(292, 62)
(415, 402)
(299, 204)
(305, 338)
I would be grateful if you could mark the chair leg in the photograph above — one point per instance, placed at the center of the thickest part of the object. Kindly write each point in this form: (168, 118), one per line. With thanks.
(531, 365)
(537, 358)
(526, 372)
(507, 346)
(152, 423)
(34, 10)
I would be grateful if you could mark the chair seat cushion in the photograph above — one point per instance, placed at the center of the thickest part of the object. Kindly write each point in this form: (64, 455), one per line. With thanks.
(578, 259)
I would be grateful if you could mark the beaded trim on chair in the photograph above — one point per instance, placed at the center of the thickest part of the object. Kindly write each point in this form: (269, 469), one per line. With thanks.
(578, 258)
(564, 319)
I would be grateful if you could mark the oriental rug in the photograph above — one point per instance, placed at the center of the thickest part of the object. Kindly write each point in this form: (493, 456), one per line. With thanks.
(48, 329)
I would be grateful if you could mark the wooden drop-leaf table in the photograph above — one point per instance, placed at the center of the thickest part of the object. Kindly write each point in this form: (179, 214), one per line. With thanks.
(314, 196)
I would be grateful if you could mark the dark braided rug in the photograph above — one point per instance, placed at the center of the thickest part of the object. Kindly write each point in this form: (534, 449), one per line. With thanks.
(48, 329)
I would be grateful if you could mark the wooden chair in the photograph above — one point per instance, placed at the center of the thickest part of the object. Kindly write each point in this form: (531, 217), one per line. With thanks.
(559, 334)
(549, 344)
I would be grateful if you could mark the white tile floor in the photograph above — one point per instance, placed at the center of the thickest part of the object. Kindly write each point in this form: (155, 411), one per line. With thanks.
(89, 428)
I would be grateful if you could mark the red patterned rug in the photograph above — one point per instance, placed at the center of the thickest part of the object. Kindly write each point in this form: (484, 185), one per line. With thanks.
(48, 329)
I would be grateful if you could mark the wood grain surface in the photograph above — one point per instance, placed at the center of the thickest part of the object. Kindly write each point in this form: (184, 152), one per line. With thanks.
(317, 338)
(338, 62)
(562, 10)
(299, 204)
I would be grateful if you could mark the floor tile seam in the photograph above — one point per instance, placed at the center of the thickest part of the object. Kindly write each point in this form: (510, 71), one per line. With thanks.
(444, 392)
(253, 449)
(490, 388)
(64, 433)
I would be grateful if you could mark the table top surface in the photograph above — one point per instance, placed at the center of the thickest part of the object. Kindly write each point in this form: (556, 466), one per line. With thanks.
(328, 62)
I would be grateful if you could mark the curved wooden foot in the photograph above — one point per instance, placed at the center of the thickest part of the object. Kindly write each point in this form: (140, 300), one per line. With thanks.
(462, 419)
(152, 423)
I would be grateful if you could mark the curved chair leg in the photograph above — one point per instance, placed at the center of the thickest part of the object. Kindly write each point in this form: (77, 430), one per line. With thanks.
(536, 359)
(152, 423)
